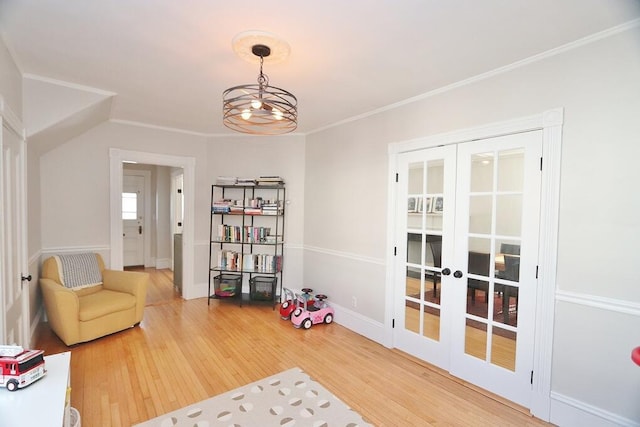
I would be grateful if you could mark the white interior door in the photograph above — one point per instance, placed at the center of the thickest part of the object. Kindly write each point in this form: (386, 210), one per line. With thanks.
(133, 220)
(466, 287)
(426, 189)
(14, 294)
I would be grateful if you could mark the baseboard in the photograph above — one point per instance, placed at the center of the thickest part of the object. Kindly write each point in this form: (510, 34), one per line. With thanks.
(39, 317)
(360, 324)
(162, 263)
(566, 411)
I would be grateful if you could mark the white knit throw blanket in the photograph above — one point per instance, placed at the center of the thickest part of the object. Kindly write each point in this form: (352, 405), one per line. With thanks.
(78, 271)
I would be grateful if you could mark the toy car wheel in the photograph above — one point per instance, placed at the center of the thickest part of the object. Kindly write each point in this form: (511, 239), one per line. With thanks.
(307, 323)
(297, 311)
(328, 318)
(285, 304)
(12, 385)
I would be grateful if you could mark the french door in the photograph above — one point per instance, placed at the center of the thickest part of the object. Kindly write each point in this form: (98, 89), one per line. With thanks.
(467, 234)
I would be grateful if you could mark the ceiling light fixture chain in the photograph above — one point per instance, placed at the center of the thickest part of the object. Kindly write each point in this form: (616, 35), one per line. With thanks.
(260, 109)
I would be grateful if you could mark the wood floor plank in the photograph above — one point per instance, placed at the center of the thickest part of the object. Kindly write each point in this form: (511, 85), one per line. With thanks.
(186, 351)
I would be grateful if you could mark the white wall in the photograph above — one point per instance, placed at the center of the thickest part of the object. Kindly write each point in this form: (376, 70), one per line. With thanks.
(598, 85)
(75, 185)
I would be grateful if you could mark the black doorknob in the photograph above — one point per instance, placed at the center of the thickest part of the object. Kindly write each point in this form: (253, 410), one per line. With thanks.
(446, 271)
(26, 278)
(457, 274)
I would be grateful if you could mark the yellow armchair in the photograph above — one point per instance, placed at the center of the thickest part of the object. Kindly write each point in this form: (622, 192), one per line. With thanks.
(83, 313)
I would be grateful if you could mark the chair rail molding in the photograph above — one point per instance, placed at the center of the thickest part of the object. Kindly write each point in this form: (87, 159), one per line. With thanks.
(596, 301)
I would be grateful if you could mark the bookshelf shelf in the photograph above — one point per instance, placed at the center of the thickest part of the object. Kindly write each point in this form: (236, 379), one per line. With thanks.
(246, 242)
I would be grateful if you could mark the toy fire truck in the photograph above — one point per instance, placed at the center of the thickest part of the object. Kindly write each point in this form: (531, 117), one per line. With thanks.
(20, 367)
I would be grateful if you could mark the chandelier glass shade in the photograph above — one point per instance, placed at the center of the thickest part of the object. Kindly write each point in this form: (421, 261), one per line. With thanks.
(260, 109)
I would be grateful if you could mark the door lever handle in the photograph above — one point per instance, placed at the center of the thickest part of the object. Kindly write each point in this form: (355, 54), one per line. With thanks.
(26, 278)
(139, 229)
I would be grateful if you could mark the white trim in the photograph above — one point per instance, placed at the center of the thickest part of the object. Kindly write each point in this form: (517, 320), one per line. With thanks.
(550, 122)
(568, 411)
(501, 70)
(192, 132)
(359, 324)
(188, 164)
(45, 252)
(604, 303)
(68, 84)
(347, 255)
(12, 120)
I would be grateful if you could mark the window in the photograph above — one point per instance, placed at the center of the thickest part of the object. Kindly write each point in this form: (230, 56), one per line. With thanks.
(129, 205)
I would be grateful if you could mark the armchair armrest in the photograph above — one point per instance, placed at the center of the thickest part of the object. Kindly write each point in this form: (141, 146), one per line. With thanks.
(62, 307)
(131, 282)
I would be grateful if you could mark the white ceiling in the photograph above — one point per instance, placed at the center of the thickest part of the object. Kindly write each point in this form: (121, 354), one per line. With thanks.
(169, 61)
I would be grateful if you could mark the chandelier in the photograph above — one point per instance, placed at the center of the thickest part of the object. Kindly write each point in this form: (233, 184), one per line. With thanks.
(259, 109)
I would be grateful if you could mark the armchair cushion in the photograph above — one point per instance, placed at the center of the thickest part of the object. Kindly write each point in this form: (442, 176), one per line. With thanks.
(79, 315)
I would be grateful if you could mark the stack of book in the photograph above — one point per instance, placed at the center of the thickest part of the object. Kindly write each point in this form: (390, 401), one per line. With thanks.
(226, 180)
(222, 206)
(272, 208)
(246, 181)
(270, 180)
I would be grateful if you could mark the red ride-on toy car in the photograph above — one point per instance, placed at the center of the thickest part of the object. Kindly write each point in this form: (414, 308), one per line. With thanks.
(319, 312)
(293, 300)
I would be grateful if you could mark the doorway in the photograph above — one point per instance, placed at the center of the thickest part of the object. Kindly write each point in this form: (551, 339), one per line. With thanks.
(448, 269)
(187, 165)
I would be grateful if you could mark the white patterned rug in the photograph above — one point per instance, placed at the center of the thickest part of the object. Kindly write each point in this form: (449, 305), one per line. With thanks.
(290, 398)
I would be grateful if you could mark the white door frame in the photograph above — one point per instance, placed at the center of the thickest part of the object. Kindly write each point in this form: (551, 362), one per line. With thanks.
(116, 157)
(10, 121)
(550, 122)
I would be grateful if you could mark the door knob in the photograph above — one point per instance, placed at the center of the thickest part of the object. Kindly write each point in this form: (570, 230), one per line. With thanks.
(26, 278)
(446, 271)
(457, 274)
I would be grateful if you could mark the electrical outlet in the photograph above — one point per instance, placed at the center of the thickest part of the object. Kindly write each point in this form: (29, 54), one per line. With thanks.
(354, 301)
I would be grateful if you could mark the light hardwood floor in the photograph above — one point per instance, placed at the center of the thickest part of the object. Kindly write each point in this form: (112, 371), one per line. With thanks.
(187, 351)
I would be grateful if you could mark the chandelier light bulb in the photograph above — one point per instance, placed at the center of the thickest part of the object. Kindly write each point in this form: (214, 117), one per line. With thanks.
(256, 104)
(277, 114)
(246, 114)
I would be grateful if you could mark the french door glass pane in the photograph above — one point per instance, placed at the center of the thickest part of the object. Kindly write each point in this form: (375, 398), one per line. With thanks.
(495, 229)
(424, 246)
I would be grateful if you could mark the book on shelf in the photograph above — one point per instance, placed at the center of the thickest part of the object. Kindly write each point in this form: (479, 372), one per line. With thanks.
(226, 180)
(270, 180)
(246, 181)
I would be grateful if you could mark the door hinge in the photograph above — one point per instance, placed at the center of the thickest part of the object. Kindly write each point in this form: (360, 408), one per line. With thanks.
(395, 250)
(540, 164)
(531, 377)
(396, 177)
(179, 190)
(393, 323)
(537, 269)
